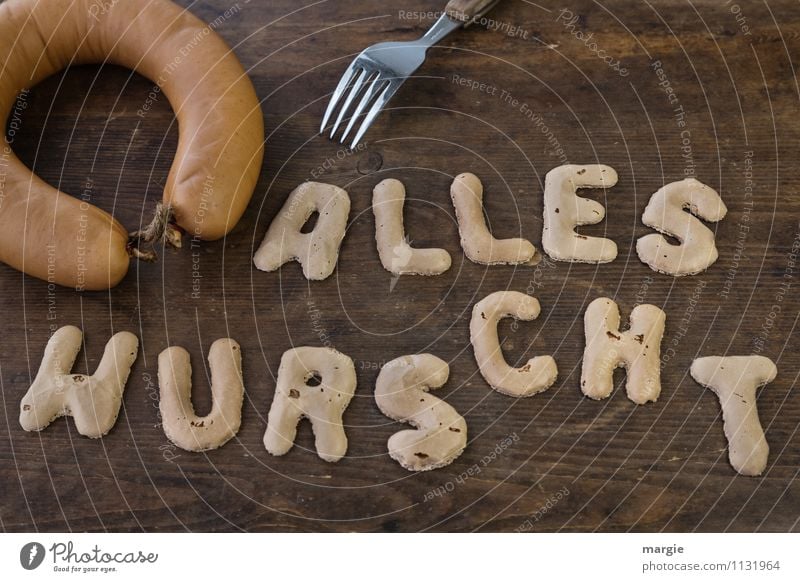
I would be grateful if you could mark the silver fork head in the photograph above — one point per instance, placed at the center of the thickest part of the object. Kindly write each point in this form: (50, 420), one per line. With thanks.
(373, 78)
(376, 74)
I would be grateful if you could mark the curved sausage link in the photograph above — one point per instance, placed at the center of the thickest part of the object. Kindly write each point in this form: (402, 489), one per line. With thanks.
(50, 235)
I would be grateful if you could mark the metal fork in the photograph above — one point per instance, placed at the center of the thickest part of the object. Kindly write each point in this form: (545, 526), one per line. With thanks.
(377, 72)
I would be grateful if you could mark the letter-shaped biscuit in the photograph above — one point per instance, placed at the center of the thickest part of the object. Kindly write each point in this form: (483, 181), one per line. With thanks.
(401, 393)
(564, 210)
(318, 250)
(734, 379)
(665, 213)
(93, 401)
(181, 425)
(478, 243)
(535, 376)
(397, 256)
(317, 384)
(638, 350)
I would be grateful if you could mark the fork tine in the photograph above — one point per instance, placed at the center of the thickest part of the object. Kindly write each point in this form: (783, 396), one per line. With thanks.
(375, 86)
(355, 89)
(376, 108)
(337, 93)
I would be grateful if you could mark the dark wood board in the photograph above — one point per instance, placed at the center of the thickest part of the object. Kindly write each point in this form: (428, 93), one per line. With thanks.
(659, 467)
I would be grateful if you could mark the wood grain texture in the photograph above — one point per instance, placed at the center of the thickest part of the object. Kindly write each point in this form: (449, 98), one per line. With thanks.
(659, 467)
(466, 10)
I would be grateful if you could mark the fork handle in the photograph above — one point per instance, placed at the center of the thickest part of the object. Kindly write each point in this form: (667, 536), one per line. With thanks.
(467, 11)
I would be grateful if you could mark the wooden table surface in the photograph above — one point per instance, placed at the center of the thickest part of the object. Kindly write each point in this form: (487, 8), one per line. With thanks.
(570, 464)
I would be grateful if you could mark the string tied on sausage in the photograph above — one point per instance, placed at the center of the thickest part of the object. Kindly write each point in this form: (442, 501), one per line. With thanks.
(162, 230)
